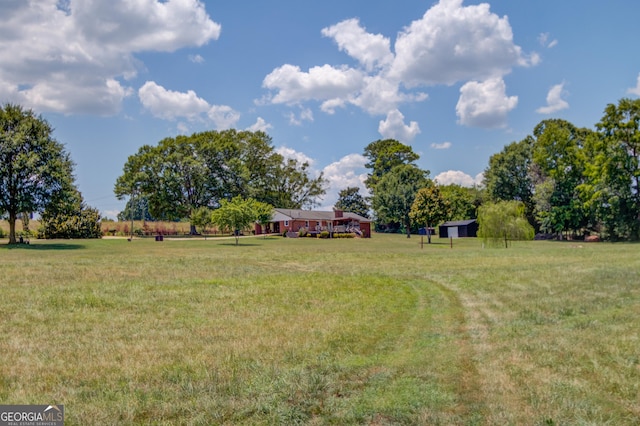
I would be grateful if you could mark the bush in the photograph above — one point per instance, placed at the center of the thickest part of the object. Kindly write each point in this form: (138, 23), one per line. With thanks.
(84, 223)
(344, 235)
(302, 232)
(323, 234)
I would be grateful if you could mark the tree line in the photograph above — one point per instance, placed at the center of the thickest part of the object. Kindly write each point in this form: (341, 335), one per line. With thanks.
(562, 179)
(573, 180)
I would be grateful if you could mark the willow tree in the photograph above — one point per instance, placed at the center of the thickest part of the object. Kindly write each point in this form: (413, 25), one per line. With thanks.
(504, 221)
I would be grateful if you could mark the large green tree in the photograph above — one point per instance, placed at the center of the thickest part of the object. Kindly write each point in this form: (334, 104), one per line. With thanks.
(350, 200)
(463, 202)
(395, 192)
(558, 171)
(384, 155)
(171, 175)
(182, 174)
(34, 167)
(613, 188)
(508, 175)
(290, 185)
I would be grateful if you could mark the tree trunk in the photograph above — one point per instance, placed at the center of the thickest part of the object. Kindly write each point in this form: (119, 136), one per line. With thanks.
(407, 224)
(192, 229)
(428, 234)
(12, 227)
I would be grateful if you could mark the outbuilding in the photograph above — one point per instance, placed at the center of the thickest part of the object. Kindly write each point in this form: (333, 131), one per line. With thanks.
(459, 229)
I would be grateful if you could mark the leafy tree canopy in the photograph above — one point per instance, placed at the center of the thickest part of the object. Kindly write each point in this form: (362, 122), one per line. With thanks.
(508, 175)
(395, 193)
(35, 170)
(613, 187)
(557, 172)
(463, 202)
(429, 207)
(238, 214)
(182, 174)
(384, 155)
(350, 200)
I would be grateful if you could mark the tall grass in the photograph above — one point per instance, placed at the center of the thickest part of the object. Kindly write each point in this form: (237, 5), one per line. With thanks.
(307, 331)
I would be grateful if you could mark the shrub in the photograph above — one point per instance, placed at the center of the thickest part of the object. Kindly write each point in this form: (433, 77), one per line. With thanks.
(323, 234)
(82, 223)
(344, 235)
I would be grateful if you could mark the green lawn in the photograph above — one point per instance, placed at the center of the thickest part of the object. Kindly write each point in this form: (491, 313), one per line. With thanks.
(306, 331)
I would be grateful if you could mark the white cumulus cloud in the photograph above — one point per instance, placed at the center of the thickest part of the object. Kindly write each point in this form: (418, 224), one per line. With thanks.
(451, 43)
(260, 125)
(393, 127)
(172, 105)
(169, 105)
(555, 102)
(485, 104)
(458, 177)
(347, 172)
(223, 116)
(371, 50)
(635, 90)
(319, 83)
(75, 56)
(291, 153)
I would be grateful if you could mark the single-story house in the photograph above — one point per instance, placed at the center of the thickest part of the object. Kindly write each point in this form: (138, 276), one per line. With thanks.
(459, 229)
(315, 221)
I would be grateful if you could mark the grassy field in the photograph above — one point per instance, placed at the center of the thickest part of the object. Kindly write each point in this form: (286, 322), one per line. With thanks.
(305, 331)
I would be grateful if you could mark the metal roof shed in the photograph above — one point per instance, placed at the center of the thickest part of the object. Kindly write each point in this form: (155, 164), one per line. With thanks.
(459, 229)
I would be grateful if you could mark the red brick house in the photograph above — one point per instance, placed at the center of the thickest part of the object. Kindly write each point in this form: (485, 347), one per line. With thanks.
(316, 221)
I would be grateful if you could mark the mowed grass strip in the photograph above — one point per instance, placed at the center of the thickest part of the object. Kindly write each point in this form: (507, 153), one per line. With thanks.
(285, 331)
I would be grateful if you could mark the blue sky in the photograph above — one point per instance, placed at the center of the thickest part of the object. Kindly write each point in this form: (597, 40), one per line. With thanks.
(455, 80)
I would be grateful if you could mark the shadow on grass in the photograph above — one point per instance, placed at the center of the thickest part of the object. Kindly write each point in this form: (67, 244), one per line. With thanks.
(239, 245)
(41, 246)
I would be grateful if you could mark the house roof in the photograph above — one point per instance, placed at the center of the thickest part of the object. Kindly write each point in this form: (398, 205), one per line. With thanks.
(298, 214)
(459, 222)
